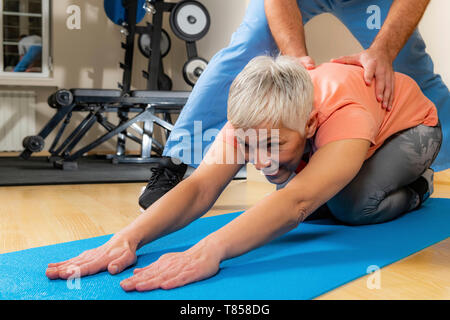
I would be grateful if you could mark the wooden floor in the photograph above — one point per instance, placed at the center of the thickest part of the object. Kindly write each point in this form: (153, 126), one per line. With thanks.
(33, 216)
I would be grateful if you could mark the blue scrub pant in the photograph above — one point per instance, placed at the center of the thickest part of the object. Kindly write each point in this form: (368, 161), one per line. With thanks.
(208, 100)
(33, 54)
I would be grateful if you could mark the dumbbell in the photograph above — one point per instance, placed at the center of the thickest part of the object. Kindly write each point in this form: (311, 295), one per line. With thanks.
(193, 69)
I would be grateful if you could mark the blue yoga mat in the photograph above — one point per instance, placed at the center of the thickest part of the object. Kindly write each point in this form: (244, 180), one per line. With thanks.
(315, 258)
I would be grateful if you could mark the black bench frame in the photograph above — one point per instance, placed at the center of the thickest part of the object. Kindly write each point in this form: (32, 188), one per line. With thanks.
(147, 105)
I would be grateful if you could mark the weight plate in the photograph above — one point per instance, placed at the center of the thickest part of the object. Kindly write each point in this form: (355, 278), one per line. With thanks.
(33, 143)
(116, 12)
(193, 69)
(190, 20)
(164, 82)
(63, 97)
(145, 44)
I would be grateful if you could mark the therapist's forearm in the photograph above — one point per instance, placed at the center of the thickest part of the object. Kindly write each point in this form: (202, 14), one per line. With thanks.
(402, 19)
(273, 216)
(285, 22)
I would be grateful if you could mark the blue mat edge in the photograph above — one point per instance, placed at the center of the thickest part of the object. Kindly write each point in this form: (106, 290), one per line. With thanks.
(344, 281)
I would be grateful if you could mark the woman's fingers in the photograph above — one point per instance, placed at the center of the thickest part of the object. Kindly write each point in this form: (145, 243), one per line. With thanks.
(151, 277)
(148, 284)
(87, 263)
(178, 281)
(62, 263)
(54, 270)
(119, 264)
(90, 267)
(79, 269)
(165, 261)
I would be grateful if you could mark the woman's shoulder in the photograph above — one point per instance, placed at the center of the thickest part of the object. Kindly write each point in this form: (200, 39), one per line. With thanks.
(336, 70)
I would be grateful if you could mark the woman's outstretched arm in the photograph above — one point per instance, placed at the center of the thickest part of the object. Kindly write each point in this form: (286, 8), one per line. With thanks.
(189, 200)
(331, 168)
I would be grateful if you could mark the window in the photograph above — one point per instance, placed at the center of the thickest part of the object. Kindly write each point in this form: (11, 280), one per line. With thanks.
(25, 38)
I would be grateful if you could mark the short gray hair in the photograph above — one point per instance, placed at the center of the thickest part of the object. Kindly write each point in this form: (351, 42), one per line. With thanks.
(273, 91)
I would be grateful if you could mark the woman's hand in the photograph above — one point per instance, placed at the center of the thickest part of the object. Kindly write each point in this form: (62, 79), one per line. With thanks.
(115, 255)
(177, 269)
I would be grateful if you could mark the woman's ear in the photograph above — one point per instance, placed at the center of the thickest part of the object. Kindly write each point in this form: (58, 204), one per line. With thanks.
(311, 125)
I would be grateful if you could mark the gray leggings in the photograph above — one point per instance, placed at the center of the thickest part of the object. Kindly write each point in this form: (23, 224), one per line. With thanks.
(380, 191)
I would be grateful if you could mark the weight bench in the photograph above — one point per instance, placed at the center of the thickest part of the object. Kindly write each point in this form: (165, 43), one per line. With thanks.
(147, 104)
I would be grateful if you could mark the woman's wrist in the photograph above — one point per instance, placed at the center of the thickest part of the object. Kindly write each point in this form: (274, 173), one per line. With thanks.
(213, 246)
(131, 236)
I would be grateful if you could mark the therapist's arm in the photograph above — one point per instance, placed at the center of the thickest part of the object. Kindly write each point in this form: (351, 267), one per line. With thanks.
(285, 23)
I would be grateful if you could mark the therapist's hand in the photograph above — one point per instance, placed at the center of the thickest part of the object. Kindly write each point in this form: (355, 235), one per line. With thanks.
(115, 255)
(176, 269)
(377, 64)
(307, 62)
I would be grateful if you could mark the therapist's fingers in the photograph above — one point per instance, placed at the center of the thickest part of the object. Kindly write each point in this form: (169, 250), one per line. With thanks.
(369, 71)
(380, 85)
(307, 62)
(351, 59)
(387, 91)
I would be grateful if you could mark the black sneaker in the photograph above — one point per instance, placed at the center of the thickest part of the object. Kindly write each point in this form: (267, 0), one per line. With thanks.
(165, 176)
(424, 186)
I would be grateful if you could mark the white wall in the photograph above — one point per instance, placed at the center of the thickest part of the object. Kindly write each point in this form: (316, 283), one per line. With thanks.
(435, 30)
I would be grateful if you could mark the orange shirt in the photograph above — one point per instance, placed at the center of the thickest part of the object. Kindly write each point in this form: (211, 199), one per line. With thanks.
(347, 108)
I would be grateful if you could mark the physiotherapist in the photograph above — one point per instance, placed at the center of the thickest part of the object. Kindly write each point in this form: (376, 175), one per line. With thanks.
(386, 29)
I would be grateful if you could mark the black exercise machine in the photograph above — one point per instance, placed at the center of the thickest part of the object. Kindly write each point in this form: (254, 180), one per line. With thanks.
(189, 21)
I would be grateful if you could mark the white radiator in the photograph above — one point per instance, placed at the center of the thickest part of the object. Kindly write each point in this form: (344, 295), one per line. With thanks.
(17, 118)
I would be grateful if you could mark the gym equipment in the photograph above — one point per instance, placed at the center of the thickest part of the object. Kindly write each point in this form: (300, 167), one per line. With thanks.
(33, 143)
(117, 13)
(164, 82)
(193, 69)
(98, 102)
(154, 43)
(144, 42)
(190, 20)
(91, 169)
(310, 260)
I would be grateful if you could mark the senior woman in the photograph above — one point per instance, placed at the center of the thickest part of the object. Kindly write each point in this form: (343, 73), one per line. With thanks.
(326, 126)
